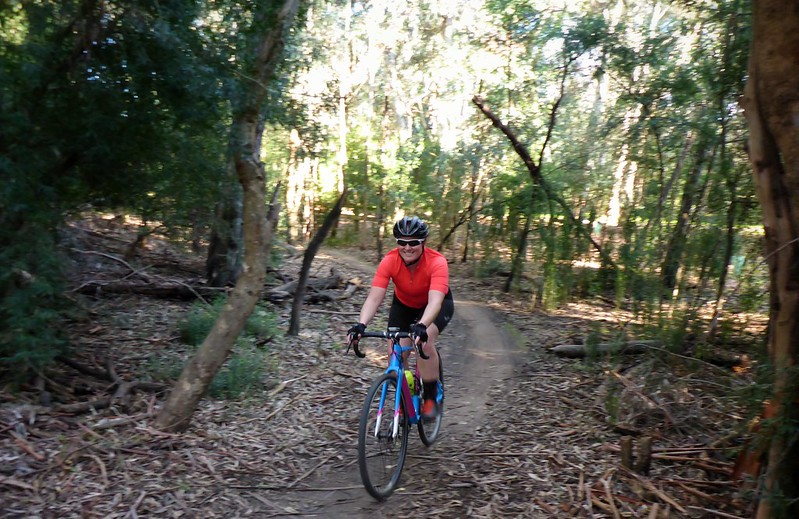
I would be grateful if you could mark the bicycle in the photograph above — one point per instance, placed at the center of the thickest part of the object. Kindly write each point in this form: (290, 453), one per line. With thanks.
(388, 438)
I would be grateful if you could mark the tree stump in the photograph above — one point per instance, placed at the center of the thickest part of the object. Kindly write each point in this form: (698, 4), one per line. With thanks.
(626, 444)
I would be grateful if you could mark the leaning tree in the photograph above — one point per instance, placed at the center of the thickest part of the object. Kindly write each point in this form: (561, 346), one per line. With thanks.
(273, 18)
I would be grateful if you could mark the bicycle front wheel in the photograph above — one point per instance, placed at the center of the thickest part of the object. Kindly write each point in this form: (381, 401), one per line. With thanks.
(382, 437)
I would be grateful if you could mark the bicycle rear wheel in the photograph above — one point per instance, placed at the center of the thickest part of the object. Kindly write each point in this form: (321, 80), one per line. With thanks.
(428, 431)
(381, 454)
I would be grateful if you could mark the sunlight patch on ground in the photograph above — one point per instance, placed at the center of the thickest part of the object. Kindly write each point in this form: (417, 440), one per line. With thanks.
(594, 312)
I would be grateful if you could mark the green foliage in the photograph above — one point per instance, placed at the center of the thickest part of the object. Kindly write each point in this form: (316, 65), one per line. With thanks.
(117, 109)
(246, 367)
(198, 322)
(129, 108)
(612, 404)
(162, 368)
(31, 302)
(490, 266)
(242, 374)
(592, 340)
(261, 326)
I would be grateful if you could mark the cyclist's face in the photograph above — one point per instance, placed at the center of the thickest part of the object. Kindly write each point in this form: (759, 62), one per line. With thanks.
(410, 248)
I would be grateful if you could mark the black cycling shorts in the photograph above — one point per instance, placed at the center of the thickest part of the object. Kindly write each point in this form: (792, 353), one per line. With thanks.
(402, 316)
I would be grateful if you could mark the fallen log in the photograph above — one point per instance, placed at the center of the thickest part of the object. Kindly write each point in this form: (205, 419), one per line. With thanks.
(287, 290)
(167, 290)
(183, 291)
(577, 351)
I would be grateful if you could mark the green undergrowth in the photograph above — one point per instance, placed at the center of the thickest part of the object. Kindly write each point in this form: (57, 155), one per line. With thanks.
(249, 364)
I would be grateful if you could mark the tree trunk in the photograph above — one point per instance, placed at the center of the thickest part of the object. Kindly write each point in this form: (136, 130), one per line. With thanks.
(729, 248)
(535, 171)
(679, 235)
(223, 262)
(257, 229)
(518, 259)
(771, 102)
(310, 253)
(295, 183)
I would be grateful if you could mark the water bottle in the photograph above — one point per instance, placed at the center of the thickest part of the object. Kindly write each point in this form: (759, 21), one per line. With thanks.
(410, 379)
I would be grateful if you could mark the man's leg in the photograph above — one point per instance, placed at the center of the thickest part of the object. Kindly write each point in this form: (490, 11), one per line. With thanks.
(428, 369)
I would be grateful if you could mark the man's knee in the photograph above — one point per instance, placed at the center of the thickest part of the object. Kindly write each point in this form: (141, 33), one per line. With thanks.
(429, 348)
(432, 332)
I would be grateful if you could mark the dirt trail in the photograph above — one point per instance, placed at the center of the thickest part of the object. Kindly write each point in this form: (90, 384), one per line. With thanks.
(477, 354)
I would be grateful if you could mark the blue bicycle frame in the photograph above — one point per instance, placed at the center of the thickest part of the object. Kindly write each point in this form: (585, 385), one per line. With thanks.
(395, 365)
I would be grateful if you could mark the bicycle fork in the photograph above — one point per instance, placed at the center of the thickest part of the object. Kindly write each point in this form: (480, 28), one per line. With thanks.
(405, 393)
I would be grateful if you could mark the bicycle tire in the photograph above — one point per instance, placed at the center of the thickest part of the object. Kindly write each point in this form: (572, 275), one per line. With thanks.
(381, 457)
(428, 432)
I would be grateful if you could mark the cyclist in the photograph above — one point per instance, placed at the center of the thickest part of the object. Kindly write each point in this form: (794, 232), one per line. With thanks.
(422, 302)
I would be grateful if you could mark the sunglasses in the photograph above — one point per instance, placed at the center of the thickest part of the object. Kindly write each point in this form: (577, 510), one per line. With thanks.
(411, 243)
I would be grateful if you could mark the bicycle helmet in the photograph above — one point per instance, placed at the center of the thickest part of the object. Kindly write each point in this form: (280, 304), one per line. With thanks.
(411, 226)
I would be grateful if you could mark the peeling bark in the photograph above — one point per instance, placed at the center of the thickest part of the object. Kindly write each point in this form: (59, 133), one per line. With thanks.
(771, 103)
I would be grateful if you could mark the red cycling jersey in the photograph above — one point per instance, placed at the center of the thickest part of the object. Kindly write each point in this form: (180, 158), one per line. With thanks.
(411, 288)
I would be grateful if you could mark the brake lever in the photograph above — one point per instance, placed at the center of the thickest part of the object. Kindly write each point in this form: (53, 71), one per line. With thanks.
(354, 344)
(419, 348)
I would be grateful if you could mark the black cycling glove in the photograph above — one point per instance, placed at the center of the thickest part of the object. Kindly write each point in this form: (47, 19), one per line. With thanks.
(420, 331)
(356, 331)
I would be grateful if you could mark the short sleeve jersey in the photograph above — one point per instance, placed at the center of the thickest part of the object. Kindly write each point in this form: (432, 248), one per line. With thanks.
(411, 288)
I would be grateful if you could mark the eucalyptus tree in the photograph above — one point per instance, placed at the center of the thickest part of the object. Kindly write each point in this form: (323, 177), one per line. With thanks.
(684, 168)
(640, 150)
(771, 101)
(399, 74)
(258, 58)
(551, 54)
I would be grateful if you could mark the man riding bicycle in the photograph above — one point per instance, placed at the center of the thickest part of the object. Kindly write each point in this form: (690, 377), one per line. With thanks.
(422, 303)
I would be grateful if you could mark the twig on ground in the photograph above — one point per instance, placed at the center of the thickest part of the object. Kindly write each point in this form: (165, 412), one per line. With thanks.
(715, 512)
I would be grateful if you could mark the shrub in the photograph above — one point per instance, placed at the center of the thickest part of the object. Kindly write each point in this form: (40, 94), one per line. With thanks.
(198, 322)
(242, 374)
(31, 306)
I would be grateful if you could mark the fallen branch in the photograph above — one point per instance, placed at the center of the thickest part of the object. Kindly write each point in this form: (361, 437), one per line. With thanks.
(133, 271)
(11, 482)
(165, 290)
(331, 312)
(123, 391)
(647, 484)
(311, 471)
(27, 447)
(578, 351)
(582, 350)
(108, 423)
(609, 495)
(654, 405)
